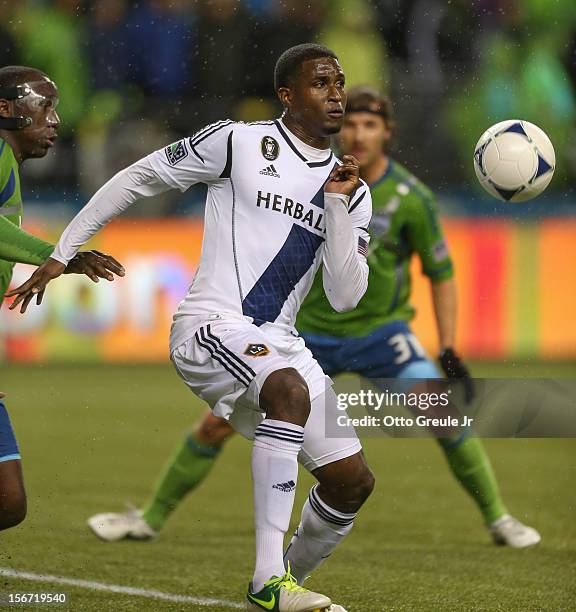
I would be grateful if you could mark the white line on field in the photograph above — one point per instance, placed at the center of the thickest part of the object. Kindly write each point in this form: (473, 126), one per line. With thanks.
(116, 588)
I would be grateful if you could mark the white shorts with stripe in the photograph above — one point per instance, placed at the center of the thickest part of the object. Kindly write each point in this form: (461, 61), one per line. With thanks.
(225, 361)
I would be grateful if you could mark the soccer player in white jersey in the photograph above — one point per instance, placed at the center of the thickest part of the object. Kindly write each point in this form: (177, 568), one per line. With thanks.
(279, 205)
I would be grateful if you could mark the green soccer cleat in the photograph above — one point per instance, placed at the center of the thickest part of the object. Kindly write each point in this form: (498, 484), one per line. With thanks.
(283, 594)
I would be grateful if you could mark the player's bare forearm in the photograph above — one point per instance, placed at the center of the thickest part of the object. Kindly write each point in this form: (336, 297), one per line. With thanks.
(445, 308)
(445, 303)
(93, 264)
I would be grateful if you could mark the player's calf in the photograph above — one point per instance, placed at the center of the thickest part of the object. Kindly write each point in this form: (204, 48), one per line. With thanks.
(12, 494)
(329, 513)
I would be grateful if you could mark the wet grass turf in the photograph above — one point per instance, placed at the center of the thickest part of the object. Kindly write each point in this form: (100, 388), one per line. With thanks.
(95, 437)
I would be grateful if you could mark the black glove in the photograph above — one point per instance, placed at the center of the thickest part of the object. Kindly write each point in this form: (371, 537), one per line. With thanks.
(455, 369)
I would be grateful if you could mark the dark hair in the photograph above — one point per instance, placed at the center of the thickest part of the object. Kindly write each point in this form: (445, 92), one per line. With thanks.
(364, 98)
(290, 62)
(10, 76)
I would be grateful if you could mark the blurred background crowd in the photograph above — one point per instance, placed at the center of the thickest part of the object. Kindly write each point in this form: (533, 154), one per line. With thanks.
(136, 75)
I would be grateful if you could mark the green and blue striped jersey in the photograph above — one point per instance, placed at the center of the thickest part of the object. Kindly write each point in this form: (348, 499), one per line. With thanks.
(15, 244)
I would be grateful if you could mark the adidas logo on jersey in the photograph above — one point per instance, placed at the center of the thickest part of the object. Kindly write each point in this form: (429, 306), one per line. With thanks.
(285, 487)
(270, 171)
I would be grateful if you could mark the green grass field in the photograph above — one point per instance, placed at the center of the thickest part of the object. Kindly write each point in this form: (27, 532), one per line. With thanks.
(95, 437)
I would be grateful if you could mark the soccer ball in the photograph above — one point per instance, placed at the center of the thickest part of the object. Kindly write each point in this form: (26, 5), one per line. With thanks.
(514, 160)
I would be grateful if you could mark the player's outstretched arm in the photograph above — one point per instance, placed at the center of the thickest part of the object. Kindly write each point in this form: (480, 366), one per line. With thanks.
(122, 190)
(345, 274)
(94, 264)
(128, 186)
(174, 167)
(20, 246)
(177, 166)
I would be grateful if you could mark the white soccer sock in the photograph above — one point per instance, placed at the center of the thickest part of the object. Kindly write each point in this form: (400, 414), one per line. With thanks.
(274, 472)
(321, 529)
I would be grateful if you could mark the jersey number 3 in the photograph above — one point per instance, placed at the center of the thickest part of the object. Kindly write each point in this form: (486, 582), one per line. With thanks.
(403, 345)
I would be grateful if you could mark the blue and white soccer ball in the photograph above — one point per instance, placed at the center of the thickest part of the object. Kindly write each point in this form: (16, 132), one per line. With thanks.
(514, 160)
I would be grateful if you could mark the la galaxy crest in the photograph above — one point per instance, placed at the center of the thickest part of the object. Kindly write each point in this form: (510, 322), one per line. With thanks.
(257, 350)
(270, 148)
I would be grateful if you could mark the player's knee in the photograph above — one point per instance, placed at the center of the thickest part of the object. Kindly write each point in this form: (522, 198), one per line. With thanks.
(285, 397)
(357, 493)
(347, 484)
(366, 485)
(13, 512)
(292, 402)
(354, 496)
(350, 494)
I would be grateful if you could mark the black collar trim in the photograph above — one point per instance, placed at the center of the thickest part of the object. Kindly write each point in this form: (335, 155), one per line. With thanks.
(321, 163)
(287, 139)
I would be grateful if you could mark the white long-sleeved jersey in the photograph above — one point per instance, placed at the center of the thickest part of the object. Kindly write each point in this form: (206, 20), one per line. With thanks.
(268, 223)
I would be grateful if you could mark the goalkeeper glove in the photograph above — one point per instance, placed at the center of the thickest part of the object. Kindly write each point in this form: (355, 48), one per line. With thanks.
(456, 370)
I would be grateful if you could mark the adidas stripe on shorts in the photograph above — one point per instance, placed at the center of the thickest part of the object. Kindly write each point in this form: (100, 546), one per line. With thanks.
(225, 362)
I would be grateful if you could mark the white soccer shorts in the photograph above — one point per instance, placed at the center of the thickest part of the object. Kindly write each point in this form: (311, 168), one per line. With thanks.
(225, 362)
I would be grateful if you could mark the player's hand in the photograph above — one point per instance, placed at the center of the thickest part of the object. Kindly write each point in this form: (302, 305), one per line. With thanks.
(95, 265)
(345, 178)
(456, 370)
(2, 395)
(36, 284)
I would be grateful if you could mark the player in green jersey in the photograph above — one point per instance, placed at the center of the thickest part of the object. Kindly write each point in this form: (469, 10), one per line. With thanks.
(28, 128)
(373, 340)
